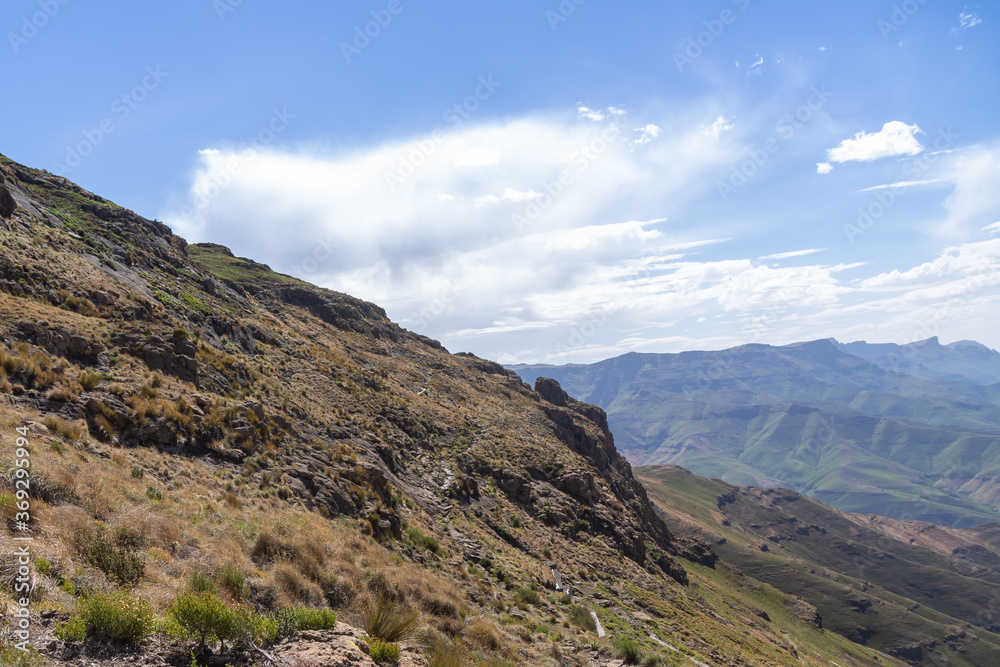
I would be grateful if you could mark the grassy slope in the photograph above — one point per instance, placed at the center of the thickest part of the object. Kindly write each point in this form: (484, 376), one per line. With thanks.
(916, 594)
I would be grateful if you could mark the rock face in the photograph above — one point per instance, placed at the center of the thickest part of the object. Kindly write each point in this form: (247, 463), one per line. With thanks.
(590, 437)
(174, 356)
(57, 340)
(343, 312)
(7, 203)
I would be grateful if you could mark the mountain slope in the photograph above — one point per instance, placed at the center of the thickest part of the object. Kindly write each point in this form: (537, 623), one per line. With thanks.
(193, 413)
(917, 591)
(808, 416)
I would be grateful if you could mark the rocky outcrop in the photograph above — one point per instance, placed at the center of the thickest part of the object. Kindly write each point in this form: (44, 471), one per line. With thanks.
(174, 356)
(58, 341)
(344, 646)
(343, 312)
(584, 429)
(7, 203)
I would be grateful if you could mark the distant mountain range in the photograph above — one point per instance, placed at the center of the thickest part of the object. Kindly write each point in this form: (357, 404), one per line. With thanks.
(905, 431)
(964, 360)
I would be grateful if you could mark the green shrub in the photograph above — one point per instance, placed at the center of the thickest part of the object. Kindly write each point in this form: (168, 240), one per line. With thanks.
(382, 652)
(117, 560)
(201, 583)
(424, 541)
(138, 473)
(233, 581)
(202, 616)
(73, 630)
(388, 621)
(581, 616)
(309, 618)
(628, 650)
(529, 596)
(120, 617)
(251, 627)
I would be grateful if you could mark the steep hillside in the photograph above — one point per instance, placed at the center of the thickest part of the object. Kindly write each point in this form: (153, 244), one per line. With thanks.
(920, 592)
(810, 417)
(209, 439)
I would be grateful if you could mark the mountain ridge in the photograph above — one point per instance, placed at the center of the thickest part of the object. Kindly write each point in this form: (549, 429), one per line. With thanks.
(810, 416)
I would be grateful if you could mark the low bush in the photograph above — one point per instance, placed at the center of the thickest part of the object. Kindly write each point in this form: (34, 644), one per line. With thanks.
(201, 583)
(311, 618)
(424, 541)
(528, 596)
(383, 653)
(202, 616)
(118, 561)
(581, 616)
(628, 650)
(120, 617)
(233, 582)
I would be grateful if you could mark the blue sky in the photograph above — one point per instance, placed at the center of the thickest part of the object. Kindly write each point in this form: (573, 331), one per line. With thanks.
(546, 181)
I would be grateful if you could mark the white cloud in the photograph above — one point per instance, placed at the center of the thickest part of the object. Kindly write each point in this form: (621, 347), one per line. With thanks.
(442, 254)
(478, 157)
(976, 198)
(756, 67)
(895, 138)
(793, 253)
(509, 194)
(718, 127)
(955, 263)
(968, 20)
(648, 134)
(591, 114)
(904, 184)
(208, 151)
(823, 167)
(356, 234)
